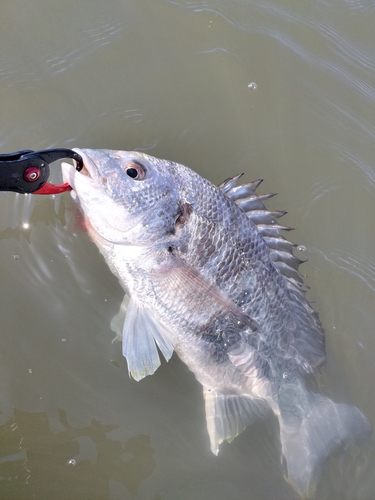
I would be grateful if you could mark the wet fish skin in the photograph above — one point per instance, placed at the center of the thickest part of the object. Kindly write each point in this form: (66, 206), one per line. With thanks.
(210, 276)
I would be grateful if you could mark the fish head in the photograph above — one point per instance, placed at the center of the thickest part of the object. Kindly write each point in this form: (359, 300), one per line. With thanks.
(127, 197)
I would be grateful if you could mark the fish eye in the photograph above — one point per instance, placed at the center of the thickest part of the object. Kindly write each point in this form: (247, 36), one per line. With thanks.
(135, 171)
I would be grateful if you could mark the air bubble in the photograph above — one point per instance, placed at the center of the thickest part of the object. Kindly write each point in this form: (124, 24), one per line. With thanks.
(301, 248)
(252, 86)
(72, 462)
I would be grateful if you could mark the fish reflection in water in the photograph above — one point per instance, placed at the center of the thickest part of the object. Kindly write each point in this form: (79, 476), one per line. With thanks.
(31, 452)
(207, 274)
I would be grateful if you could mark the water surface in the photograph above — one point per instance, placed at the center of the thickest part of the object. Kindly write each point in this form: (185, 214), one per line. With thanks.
(172, 78)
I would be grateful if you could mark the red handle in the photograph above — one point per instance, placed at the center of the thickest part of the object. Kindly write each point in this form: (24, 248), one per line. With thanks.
(53, 188)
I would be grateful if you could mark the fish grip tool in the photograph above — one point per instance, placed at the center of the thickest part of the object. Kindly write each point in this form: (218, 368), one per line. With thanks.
(27, 171)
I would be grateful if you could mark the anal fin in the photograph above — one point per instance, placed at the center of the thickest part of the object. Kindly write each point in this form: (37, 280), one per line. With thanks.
(227, 415)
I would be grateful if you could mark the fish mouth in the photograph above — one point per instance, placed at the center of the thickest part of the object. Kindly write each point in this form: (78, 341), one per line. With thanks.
(85, 172)
(87, 167)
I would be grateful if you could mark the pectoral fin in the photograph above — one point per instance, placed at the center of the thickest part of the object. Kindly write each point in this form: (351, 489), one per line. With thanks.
(117, 322)
(141, 336)
(228, 415)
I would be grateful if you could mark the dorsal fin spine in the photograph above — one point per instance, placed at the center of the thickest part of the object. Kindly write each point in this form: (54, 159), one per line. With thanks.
(281, 249)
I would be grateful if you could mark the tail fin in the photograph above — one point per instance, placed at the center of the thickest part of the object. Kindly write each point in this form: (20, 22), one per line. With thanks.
(309, 437)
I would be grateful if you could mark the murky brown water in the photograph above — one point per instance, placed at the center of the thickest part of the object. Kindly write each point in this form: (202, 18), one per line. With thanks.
(172, 78)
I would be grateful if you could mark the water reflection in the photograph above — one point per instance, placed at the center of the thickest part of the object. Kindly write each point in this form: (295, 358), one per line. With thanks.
(36, 463)
(48, 210)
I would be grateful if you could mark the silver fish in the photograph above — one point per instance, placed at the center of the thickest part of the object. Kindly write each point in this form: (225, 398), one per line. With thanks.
(210, 276)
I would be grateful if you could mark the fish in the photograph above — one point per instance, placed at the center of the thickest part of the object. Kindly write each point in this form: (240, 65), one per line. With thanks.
(208, 274)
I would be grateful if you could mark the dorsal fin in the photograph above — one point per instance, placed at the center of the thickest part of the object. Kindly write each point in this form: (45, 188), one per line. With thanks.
(281, 249)
(228, 184)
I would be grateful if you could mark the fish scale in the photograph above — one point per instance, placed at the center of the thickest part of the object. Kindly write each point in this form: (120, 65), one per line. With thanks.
(210, 277)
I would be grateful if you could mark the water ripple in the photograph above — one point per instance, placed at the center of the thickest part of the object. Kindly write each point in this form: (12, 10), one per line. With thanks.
(357, 265)
(29, 71)
(287, 21)
(217, 50)
(93, 38)
(365, 168)
(360, 5)
(359, 122)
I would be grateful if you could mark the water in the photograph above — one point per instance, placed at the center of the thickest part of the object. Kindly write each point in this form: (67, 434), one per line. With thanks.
(278, 90)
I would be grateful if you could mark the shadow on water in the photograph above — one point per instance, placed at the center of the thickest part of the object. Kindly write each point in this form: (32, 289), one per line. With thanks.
(68, 463)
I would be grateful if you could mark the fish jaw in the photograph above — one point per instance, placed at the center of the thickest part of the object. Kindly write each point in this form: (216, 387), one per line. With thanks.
(109, 216)
(93, 203)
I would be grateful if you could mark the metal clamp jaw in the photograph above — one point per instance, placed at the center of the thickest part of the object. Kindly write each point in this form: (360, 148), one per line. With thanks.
(28, 171)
